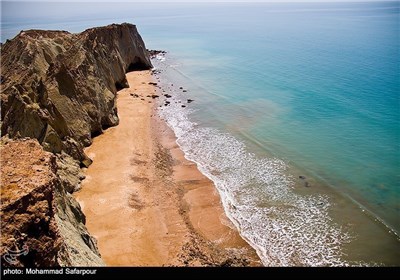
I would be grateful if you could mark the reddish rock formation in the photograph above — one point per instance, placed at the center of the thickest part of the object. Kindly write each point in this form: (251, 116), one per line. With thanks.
(41, 224)
(27, 193)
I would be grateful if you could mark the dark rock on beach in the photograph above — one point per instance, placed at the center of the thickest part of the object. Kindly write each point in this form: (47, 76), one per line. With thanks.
(154, 53)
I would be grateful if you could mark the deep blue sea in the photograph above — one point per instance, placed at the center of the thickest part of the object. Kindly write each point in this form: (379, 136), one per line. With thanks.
(296, 114)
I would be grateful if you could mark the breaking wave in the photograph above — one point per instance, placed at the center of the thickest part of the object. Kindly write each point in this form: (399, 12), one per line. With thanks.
(285, 228)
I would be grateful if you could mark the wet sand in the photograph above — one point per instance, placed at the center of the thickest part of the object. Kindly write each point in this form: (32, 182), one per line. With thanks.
(145, 203)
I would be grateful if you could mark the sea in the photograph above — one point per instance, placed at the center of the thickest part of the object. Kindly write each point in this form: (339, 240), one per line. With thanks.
(295, 114)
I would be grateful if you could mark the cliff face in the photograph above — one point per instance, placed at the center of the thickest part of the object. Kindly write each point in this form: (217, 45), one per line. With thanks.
(42, 225)
(60, 88)
(57, 91)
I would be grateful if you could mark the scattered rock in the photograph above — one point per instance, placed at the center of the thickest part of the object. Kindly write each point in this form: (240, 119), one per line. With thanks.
(154, 53)
(183, 106)
(167, 95)
(199, 252)
(302, 177)
(190, 100)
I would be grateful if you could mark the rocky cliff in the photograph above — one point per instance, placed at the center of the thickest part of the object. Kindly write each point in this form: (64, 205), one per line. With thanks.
(41, 224)
(58, 90)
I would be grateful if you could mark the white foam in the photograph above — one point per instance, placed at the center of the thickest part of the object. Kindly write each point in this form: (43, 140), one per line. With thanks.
(285, 228)
(160, 57)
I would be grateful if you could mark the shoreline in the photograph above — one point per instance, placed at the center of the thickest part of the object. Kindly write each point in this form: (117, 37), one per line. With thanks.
(148, 205)
(339, 218)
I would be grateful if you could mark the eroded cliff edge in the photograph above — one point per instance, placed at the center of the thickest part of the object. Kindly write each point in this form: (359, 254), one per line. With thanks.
(59, 90)
(42, 225)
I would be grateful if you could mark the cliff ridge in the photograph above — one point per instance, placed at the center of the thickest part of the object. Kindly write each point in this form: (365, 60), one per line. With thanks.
(58, 90)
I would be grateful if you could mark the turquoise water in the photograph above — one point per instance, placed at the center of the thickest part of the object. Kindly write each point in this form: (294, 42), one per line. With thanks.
(319, 88)
(280, 90)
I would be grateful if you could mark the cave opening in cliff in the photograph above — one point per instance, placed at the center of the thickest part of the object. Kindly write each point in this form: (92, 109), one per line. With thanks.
(137, 65)
(119, 85)
(96, 133)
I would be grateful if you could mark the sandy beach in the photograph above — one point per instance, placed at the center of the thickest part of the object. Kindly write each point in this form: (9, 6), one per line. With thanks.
(145, 203)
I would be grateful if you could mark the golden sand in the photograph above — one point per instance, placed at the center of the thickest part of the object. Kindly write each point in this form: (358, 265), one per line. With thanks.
(145, 203)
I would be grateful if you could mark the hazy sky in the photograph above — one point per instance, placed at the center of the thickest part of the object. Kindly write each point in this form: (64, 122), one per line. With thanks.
(195, 1)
